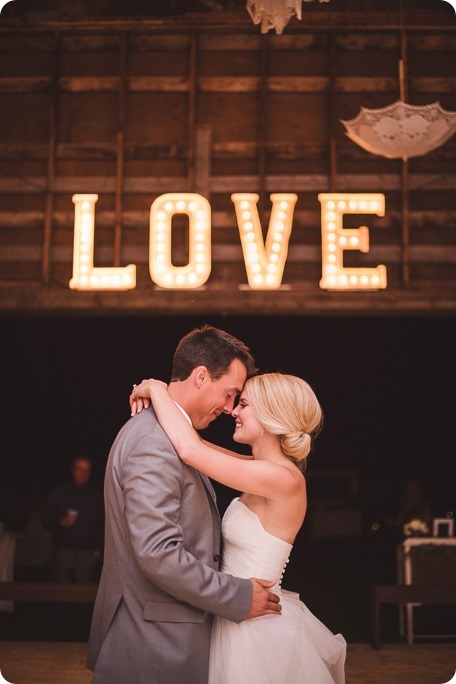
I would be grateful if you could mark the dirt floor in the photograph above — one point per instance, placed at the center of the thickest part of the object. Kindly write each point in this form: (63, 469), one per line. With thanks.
(25, 662)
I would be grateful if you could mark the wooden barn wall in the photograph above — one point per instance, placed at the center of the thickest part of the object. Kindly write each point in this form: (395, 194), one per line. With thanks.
(131, 114)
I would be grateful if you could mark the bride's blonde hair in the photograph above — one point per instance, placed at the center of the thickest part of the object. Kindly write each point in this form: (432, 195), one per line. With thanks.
(286, 406)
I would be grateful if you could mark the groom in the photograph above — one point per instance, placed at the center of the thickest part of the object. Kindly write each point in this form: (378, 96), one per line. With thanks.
(160, 584)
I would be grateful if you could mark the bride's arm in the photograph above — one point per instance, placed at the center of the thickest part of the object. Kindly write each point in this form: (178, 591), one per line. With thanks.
(140, 399)
(256, 477)
(217, 447)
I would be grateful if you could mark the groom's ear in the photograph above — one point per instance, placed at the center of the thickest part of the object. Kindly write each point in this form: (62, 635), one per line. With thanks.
(200, 376)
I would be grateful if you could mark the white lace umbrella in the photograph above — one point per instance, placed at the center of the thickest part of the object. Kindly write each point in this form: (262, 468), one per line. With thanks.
(274, 14)
(401, 129)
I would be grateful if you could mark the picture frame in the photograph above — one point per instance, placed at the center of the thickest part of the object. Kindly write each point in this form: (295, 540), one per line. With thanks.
(443, 527)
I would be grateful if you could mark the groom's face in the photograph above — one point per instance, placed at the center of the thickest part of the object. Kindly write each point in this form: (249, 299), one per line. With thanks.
(218, 396)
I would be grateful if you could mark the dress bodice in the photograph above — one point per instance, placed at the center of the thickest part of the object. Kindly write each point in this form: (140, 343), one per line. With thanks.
(247, 651)
(249, 550)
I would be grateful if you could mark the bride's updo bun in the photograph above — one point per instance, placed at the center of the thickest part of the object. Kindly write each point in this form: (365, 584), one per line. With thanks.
(296, 445)
(286, 406)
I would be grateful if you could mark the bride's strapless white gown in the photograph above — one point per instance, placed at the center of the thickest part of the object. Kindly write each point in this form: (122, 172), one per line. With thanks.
(291, 648)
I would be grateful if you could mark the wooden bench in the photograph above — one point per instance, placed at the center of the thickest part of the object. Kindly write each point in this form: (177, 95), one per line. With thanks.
(437, 594)
(66, 592)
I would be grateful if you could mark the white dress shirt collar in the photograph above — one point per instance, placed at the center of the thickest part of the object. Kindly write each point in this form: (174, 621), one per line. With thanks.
(184, 413)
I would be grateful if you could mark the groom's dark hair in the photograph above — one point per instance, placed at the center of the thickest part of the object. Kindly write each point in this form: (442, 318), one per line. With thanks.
(211, 347)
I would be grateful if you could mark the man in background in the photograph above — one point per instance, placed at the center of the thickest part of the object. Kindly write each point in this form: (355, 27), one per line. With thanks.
(74, 512)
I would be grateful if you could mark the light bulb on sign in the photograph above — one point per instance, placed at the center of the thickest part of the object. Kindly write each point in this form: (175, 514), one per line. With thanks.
(197, 270)
(335, 240)
(85, 275)
(260, 256)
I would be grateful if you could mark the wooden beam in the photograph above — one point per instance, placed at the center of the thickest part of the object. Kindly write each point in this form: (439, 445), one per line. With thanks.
(50, 174)
(223, 149)
(203, 160)
(120, 138)
(192, 144)
(262, 113)
(235, 149)
(225, 84)
(31, 298)
(228, 252)
(350, 182)
(433, 594)
(312, 20)
(331, 119)
(67, 592)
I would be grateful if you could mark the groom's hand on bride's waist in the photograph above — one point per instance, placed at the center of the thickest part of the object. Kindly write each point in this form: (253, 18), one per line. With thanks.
(264, 602)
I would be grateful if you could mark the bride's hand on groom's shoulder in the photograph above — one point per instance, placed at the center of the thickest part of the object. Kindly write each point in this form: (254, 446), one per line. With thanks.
(140, 397)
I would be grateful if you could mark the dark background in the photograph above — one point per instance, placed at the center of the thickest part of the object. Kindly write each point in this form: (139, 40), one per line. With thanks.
(386, 386)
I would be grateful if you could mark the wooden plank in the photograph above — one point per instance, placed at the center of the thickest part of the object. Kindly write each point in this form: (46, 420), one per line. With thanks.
(165, 40)
(438, 223)
(23, 151)
(433, 84)
(43, 662)
(75, 84)
(228, 84)
(87, 84)
(137, 253)
(369, 182)
(69, 592)
(31, 298)
(434, 594)
(203, 143)
(312, 22)
(158, 41)
(223, 149)
(24, 84)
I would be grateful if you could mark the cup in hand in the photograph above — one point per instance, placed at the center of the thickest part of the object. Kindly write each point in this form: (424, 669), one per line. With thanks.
(72, 515)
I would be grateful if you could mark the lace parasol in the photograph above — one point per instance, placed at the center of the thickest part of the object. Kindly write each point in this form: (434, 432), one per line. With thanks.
(274, 14)
(401, 129)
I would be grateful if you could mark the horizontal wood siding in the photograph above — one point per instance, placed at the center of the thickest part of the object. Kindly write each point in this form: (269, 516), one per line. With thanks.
(213, 106)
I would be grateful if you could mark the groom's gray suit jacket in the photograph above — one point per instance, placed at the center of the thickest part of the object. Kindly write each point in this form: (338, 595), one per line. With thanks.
(160, 582)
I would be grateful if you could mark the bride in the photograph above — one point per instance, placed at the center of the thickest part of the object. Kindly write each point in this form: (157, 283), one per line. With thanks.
(277, 415)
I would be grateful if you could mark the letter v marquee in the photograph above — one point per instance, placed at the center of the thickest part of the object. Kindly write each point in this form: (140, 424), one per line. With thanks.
(264, 263)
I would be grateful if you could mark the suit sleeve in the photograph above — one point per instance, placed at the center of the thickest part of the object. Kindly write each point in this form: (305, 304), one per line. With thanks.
(152, 479)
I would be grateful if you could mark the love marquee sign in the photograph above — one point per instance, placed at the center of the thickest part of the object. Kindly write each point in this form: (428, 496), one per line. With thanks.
(264, 259)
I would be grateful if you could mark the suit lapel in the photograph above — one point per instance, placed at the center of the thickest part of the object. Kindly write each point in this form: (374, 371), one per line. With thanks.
(209, 487)
(203, 477)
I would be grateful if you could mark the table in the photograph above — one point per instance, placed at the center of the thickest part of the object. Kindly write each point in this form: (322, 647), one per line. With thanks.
(7, 553)
(407, 574)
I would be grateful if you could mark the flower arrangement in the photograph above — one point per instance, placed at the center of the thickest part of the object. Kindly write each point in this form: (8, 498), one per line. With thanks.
(415, 528)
